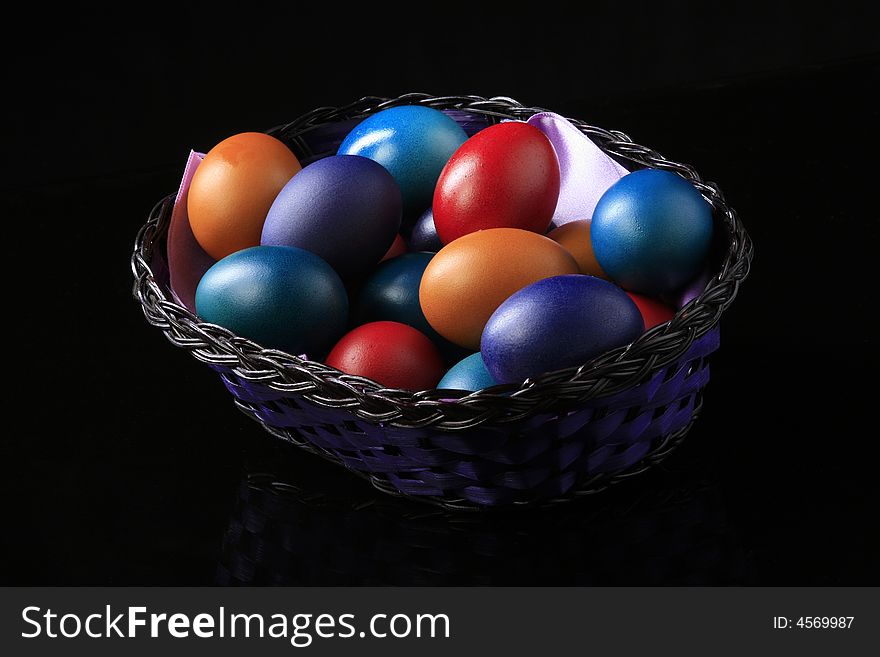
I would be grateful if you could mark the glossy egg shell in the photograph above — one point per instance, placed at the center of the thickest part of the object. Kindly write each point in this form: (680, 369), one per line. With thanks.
(468, 374)
(393, 354)
(506, 176)
(651, 231)
(233, 189)
(558, 322)
(424, 235)
(391, 292)
(690, 291)
(469, 278)
(344, 208)
(575, 238)
(413, 143)
(653, 312)
(281, 297)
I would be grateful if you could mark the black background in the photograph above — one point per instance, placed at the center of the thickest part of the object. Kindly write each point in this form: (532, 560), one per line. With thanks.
(125, 461)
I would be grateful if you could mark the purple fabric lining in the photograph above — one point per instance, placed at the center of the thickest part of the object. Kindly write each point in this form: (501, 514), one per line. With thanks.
(586, 170)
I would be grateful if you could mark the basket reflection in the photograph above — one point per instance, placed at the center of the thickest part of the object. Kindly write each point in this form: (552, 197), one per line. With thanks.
(301, 526)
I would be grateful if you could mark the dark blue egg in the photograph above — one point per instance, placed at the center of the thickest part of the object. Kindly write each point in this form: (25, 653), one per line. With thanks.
(558, 322)
(424, 235)
(343, 208)
(413, 143)
(651, 231)
(391, 293)
(278, 296)
(468, 374)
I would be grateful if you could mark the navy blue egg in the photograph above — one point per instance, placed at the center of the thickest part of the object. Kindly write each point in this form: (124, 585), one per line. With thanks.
(343, 208)
(557, 322)
(468, 374)
(424, 235)
(413, 143)
(391, 293)
(278, 296)
(651, 231)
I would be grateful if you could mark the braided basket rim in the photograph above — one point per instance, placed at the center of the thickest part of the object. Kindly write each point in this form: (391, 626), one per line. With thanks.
(609, 373)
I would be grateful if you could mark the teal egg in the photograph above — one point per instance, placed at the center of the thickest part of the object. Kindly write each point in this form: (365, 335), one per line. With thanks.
(413, 143)
(468, 374)
(281, 297)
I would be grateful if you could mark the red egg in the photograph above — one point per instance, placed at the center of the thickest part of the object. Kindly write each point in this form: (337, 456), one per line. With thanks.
(394, 354)
(506, 176)
(398, 247)
(653, 312)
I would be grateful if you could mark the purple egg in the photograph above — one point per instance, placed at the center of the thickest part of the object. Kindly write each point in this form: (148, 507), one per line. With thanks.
(344, 208)
(558, 322)
(424, 235)
(680, 298)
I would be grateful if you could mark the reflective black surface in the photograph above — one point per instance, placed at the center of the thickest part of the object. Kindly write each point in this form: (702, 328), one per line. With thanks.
(131, 465)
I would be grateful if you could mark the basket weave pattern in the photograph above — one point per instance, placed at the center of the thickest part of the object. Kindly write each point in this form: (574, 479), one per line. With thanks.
(566, 433)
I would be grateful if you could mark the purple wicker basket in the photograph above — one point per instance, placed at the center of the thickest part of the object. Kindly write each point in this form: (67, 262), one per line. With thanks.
(565, 434)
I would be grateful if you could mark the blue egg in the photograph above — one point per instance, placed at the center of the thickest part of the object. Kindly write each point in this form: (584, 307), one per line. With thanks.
(343, 208)
(278, 296)
(424, 235)
(391, 293)
(558, 322)
(468, 374)
(413, 143)
(651, 231)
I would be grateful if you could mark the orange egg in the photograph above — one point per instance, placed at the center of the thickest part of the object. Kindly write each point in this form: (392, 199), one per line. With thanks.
(233, 189)
(575, 238)
(471, 276)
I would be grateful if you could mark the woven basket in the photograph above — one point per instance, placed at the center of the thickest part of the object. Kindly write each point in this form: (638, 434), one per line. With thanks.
(567, 433)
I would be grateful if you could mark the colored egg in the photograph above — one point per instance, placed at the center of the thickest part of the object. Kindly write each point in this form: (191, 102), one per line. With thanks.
(424, 235)
(468, 374)
(575, 238)
(344, 208)
(470, 277)
(413, 143)
(398, 247)
(653, 312)
(279, 296)
(651, 231)
(690, 291)
(391, 293)
(393, 354)
(557, 322)
(506, 176)
(233, 188)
